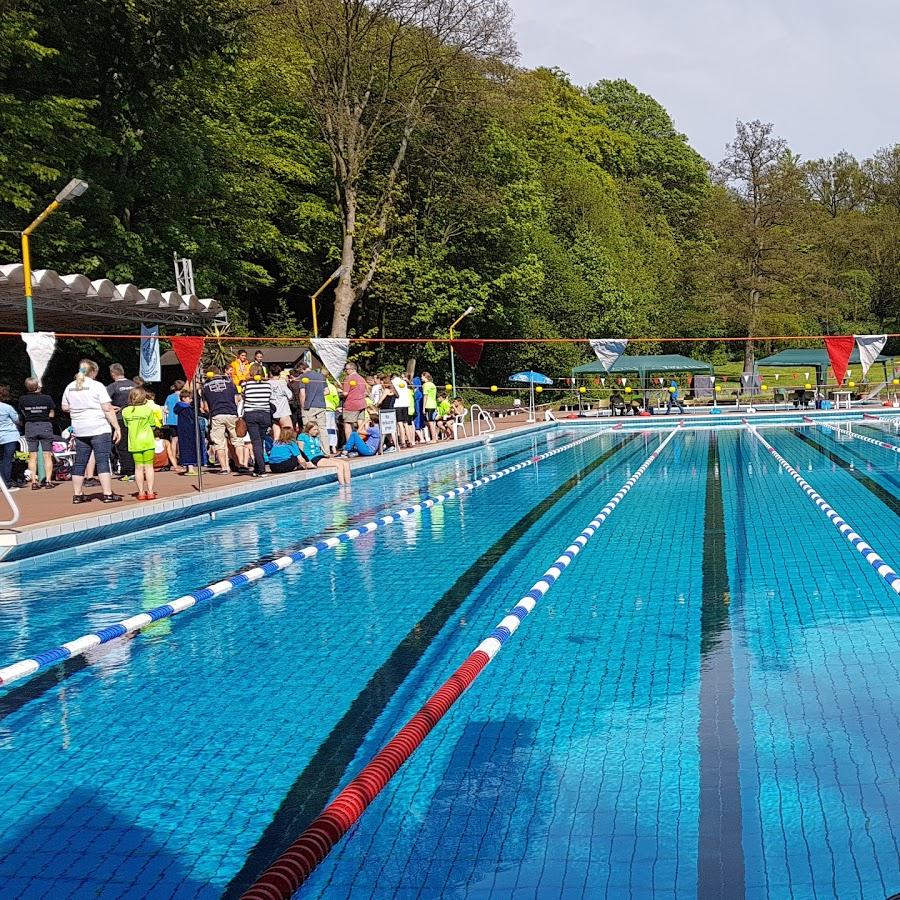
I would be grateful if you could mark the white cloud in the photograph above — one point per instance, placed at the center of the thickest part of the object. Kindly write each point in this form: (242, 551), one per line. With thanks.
(823, 72)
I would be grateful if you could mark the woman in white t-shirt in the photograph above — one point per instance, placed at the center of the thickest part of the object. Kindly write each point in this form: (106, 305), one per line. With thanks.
(401, 406)
(95, 428)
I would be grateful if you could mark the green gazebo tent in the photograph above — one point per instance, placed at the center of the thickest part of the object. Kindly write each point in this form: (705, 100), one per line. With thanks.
(814, 358)
(646, 366)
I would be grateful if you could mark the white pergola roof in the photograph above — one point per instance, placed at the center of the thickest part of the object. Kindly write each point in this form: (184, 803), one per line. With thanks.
(61, 301)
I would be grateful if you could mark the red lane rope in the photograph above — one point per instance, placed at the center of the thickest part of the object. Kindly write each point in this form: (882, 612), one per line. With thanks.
(297, 863)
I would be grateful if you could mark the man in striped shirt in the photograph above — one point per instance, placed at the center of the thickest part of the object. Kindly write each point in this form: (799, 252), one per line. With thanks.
(257, 413)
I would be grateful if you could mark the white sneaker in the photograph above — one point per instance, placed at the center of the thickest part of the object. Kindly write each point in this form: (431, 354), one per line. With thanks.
(12, 490)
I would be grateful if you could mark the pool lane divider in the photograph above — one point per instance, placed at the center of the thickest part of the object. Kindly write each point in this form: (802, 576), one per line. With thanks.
(297, 863)
(868, 552)
(890, 500)
(25, 667)
(852, 434)
(326, 770)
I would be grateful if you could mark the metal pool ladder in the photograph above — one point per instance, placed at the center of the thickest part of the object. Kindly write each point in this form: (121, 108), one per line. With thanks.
(485, 422)
(12, 506)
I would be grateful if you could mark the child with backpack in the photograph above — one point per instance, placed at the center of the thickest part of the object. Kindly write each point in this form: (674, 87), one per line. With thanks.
(142, 417)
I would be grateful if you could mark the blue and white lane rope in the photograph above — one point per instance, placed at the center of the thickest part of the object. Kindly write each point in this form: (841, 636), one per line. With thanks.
(859, 437)
(25, 667)
(888, 575)
(491, 645)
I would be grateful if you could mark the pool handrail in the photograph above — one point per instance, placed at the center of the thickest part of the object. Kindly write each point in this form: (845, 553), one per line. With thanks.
(480, 417)
(14, 509)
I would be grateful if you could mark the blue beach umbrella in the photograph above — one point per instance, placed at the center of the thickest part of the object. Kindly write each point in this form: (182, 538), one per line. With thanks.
(531, 378)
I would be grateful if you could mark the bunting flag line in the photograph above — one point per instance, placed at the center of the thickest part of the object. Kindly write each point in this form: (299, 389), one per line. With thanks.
(151, 370)
(608, 350)
(189, 351)
(468, 350)
(40, 346)
(870, 346)
(839, 350)
(333, 353)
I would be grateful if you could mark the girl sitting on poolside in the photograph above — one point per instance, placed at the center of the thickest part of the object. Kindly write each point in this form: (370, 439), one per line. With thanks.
(285, 454)
(312, 450)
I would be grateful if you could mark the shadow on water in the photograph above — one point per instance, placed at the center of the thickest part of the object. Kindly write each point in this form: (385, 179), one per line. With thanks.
(461, 833)
(84, 848)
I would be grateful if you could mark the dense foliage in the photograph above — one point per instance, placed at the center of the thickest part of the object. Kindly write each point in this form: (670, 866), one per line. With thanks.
(207, 127)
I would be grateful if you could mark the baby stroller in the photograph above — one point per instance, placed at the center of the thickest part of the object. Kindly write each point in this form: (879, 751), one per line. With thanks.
(63, 457)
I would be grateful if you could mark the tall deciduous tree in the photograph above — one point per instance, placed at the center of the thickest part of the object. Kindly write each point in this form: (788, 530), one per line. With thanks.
(378, 68)
(765, 186)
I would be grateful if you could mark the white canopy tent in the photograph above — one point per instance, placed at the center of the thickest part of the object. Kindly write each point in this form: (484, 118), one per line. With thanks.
(64, 302)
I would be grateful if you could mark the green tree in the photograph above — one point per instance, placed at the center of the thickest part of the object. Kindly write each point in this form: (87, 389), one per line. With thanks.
(378, 71)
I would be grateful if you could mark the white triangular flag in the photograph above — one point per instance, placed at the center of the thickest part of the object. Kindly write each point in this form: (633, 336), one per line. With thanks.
(40, 346)
(608, 350)
(870, 345)
(333, 353)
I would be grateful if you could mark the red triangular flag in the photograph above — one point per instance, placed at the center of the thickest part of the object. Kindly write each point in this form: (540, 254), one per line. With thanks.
(188, 350)
(468, 350)
(839, 350)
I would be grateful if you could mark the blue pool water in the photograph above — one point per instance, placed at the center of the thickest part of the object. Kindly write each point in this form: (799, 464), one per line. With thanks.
(705, 704)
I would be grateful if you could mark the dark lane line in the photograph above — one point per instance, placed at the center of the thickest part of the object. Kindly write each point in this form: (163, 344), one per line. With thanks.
(720, 857)
(325, 771)
(884, 495)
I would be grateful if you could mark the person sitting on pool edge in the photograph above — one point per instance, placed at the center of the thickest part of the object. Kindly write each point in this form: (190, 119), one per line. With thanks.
(312, 450)
(366, 441)
(285, 454)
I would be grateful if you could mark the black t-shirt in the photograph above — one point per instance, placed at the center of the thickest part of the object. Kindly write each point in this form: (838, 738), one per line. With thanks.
(220, 396)
(36, 407)
(119, 390)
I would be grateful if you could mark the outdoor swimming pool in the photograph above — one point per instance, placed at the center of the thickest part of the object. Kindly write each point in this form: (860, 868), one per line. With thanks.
(706, 703)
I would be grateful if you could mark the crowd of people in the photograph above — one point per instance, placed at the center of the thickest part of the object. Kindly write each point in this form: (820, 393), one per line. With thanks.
(246, 420)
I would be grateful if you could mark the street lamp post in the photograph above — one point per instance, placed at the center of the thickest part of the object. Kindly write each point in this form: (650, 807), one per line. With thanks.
(468, 312)
(72, 191)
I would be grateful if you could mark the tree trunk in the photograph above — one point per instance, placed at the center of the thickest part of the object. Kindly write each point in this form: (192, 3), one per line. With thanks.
(749, 357)
(345, 293)
(344, 296)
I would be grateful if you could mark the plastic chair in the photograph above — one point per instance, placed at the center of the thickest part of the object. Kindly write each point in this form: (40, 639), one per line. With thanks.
(460, 422)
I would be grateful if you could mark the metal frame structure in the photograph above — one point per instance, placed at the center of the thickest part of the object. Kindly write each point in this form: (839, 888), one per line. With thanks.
(64, 299)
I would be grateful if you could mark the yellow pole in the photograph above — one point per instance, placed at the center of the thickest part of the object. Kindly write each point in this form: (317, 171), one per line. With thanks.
(52, 208)
(26, 262)
(29, 300)
(26, 267)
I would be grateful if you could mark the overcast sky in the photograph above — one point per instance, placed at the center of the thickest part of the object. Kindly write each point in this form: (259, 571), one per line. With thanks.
(824, 72)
